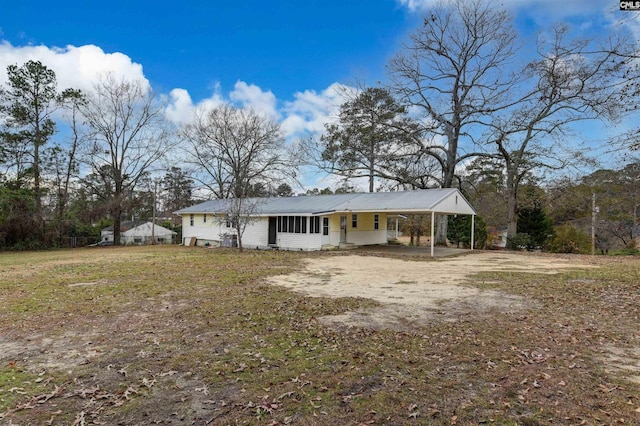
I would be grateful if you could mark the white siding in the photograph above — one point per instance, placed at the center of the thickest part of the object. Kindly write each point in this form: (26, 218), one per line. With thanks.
(209, 231)
(256, 234)
(455, 203)
(291, 241)
(334, 237)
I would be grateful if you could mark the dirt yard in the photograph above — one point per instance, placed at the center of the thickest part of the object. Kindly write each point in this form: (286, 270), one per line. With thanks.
(416, 292)
(192, 336)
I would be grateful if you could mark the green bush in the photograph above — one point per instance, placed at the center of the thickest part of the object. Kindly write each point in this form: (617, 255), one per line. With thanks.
(568, 239)
(459, 231)
(627, 252)
(534, 222)
(520, 241)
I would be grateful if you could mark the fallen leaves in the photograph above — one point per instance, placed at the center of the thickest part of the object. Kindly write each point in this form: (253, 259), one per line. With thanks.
(214, 336)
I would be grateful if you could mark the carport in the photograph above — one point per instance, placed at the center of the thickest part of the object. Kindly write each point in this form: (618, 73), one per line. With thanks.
(446, 201)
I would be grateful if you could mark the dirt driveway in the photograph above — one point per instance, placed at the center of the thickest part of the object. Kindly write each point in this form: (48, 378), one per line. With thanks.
(414, 292)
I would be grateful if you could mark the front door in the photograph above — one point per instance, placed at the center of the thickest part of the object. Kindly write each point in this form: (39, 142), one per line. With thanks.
(272, 230)
(343, 229)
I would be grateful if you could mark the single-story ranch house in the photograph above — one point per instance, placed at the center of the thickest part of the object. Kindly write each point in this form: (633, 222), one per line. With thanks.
(317, 222)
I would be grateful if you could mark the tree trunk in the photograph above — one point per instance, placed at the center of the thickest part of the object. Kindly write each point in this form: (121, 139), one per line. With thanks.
(447, 182)
(36, 179)
(441, 230)
(117, 214)
(371, 170)
(512, 213)
(239, 236)
(116, 227)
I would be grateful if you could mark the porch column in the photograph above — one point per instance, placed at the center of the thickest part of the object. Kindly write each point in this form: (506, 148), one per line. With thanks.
(473, 223)
(432, 233)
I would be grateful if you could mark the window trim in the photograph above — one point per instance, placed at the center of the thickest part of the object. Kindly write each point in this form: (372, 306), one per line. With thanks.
(376, 222)
(354, 220)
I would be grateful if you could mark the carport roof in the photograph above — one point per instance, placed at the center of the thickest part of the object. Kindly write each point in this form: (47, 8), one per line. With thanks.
(446, 201)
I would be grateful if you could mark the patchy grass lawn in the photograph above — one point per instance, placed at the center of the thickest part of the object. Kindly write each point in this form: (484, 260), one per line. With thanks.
(182, 336)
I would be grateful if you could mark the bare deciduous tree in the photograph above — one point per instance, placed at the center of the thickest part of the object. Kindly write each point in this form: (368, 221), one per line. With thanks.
(127, 134)
(234, 149)
(454, 73)
(572, 80)
(64, 159)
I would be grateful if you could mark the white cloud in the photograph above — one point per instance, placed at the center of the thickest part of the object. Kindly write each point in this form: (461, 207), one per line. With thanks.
(307, 113)
(80, 67)
(181, 109)
(179, 106)
(75, 67)
(310, 110)
(252, 96)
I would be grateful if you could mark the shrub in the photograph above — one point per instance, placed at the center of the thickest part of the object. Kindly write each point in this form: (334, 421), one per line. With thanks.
(459, 231)
(627, 252)
(569, 239)
(520, 241)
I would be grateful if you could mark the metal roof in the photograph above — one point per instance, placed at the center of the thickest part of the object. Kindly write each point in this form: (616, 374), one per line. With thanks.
(448, 200)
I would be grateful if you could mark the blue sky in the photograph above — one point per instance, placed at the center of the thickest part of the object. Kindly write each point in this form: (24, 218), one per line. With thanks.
(281, 46)
(285, 58)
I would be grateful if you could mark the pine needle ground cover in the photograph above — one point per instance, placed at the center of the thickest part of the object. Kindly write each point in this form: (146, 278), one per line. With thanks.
(191, 336)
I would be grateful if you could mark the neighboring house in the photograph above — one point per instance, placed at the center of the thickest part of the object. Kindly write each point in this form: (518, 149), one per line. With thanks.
(139, 234)
(317, 222)
(106, 234)
(143, 234)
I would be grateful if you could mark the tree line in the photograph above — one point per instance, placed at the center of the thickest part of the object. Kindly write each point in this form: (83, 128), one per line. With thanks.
(468, 104)
(466, 89)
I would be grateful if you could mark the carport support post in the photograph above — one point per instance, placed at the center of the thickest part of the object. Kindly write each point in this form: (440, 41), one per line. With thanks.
(473, 225)
(396, 228)
(432, 233)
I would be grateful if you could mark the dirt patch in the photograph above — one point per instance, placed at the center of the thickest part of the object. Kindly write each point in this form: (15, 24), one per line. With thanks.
(625, 361)
(414, 292)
